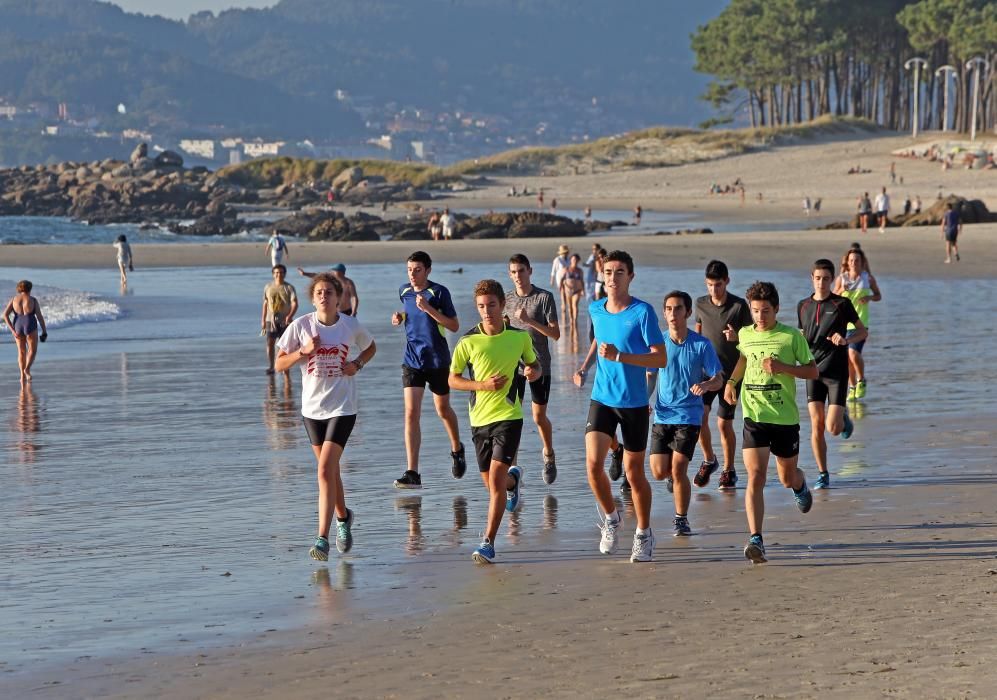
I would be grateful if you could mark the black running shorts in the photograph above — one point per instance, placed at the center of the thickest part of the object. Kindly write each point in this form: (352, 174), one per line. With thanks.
(724, 410)
(668, 438)
(497, 442)
(438, 379)
(632, 422)
(824, 388)
(335, 430)
(782, 440)
(539, 390)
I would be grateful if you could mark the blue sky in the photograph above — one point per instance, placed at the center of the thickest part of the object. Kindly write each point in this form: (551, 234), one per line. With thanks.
(182, 9)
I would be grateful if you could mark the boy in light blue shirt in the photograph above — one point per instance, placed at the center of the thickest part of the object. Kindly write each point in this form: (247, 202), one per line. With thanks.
(693, 369)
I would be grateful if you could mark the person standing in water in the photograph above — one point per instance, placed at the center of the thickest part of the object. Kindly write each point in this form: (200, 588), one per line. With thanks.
(23, 316)
(280, 303)
(125, 262)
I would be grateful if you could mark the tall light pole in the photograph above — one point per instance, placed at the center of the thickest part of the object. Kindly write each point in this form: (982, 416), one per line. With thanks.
(977, 65)
(918, 64)
(945, 72)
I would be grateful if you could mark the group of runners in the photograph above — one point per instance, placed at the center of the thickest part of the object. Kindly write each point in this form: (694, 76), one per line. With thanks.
(645, 383)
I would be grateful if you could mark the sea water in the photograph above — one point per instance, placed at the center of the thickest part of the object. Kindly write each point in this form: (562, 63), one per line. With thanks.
(158, 490)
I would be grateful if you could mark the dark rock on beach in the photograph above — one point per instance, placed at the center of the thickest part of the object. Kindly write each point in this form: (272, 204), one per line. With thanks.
(971, 211)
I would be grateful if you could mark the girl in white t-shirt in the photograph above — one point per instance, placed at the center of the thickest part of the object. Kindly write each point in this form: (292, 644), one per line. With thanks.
(321, 342)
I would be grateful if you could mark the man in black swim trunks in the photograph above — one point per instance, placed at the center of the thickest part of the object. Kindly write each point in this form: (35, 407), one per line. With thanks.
(719, 316)
(824, 317)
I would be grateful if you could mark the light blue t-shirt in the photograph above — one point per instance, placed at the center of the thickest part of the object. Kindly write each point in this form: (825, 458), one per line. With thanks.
(688, 363)
(633, 330)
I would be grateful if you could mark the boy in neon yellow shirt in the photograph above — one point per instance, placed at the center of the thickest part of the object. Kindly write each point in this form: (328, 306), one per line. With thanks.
(773, 357)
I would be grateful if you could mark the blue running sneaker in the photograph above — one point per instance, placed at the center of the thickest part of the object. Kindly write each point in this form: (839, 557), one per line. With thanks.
(485, 553)
(849, 428)
(320, 550)
(512, 496)
(344, 533)
(804, 499)
(823, 482)
(681, 524)
(754, 551)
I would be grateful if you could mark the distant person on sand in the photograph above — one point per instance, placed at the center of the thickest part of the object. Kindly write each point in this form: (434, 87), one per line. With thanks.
(493, 352)
(882, 209)
(638, 213)
(817, 205)
(773, 357)
(125, 263)
(893, 173)
(591, 274)
(573, 284)
(588, 213)
(907, 205)
(865, 208)
(280, 303)
(447, 222)
(857, 284)
(553, 205)
(434, 225)
(540, 199)
(557, 270)
(321, 342)
(349, 300)
(806, 206)
(277, 249)
(951, 228)
(23, 316)
(917, 204)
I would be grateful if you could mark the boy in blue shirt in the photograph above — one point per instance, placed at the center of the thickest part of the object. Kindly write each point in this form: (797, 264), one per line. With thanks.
(428, 312)
(693, 369)
(627, 341)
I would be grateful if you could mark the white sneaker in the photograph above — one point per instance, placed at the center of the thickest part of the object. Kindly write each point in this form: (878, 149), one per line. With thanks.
(643, 549)
(610, 534)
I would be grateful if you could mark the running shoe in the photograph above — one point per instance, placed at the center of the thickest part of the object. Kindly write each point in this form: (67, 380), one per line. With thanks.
(754, 551)
(860, 389)
(485, 553)
(625, 487)
(849, 428)
(616, 463)
(706, 470)
(409, 480)
(643, 549)
(550, 469)
(610, 534)
(670, 485)
(344, 532)
(459, 463)
(957, 257)
(728, 480)
(320, 550)
(681, 526)
(823, 481)
(512, 495)
(851, 393)
(804, 499)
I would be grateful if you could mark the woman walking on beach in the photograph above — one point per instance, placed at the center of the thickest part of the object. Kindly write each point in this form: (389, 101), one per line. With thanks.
(321, 342)
(124, 257)
(865, 208)
(27, 317)
(857, 284)
(573, 287)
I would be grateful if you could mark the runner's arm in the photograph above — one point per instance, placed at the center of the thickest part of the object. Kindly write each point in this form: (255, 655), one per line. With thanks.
(655, 358)
(775, 366)
(356, 300)
(294, 309)
(306, 274)
(875, 296)
(579, 376)
(449, 322)
(358, 362)
(736, 375)
(263, 314)
(652, 382)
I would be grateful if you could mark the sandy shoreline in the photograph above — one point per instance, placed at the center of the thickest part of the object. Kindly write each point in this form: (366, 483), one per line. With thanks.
(915, 252)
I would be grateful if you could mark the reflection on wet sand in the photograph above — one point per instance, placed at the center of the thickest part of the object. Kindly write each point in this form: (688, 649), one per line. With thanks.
(411, 506)
(328, 594)
(27, 424)
(459, 512)
(280, 415)
(550, 512)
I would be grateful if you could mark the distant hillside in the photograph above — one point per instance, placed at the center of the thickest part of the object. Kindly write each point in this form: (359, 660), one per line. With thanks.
(528, 61)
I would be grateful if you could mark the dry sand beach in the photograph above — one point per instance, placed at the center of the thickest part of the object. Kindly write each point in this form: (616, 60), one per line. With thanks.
(888, 588)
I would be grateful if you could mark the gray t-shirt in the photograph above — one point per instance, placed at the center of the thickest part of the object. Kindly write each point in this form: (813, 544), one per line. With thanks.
(714, 319)
(540, 308)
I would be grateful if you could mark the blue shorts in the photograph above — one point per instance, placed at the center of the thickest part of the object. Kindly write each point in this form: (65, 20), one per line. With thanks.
(857, 347)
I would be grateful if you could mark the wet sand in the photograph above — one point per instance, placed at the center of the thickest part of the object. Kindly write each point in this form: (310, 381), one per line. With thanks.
(916, 252)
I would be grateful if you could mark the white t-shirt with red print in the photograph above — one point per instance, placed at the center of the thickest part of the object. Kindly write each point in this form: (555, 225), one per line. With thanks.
(325, 391)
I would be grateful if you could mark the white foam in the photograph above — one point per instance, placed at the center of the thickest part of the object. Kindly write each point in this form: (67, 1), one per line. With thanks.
(68, 307)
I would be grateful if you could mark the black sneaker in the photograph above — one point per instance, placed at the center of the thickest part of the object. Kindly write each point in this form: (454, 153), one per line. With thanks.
(550, 469)
(459, 463)
(728, 480)
(616, 463)
(409, 480)
(625, 487)
(706, 470)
